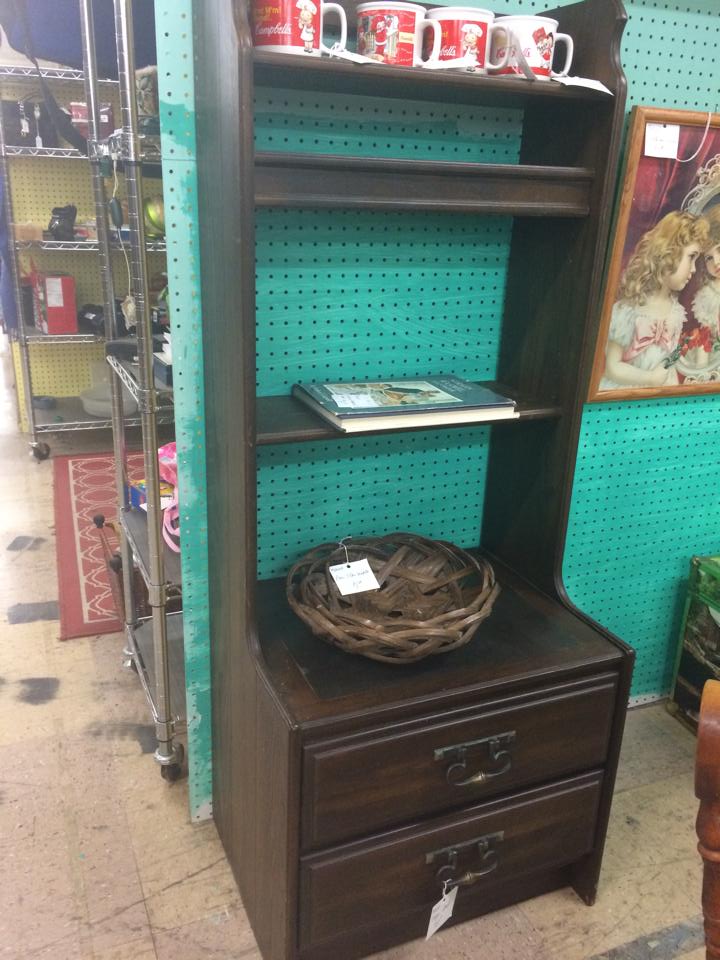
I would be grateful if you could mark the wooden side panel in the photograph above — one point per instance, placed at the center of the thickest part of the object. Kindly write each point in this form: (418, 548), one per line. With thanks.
(252, 739)
(551, 308)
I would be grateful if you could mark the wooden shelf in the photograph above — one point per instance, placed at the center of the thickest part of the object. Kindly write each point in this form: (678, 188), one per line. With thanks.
(285, 419)
(321, 180)
(412, 83)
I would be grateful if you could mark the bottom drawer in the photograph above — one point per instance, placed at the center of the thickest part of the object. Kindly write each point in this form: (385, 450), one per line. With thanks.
(356, 886)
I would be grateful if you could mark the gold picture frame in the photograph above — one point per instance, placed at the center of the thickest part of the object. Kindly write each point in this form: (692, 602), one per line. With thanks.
(659, 331)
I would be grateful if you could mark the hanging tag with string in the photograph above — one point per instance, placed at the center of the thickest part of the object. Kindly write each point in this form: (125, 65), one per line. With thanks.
(353, 576)
(663, 140)
(443, 909)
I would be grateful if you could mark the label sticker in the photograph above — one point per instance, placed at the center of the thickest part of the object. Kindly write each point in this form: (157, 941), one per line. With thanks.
(354, 577)
(441, 912)
(662, 140)
(54, 291)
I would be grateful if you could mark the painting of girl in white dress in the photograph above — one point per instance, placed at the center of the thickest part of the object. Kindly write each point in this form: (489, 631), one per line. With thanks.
(660, 322)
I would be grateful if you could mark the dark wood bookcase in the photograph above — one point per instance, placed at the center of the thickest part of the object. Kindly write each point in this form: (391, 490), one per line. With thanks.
(346, 790)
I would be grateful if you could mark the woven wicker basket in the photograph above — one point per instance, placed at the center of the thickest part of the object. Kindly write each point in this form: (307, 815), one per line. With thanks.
(433, 596)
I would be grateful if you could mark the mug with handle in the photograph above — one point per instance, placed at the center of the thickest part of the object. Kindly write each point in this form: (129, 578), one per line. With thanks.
(533, 46)
(466, 34)
(294, 26)
(392, 33)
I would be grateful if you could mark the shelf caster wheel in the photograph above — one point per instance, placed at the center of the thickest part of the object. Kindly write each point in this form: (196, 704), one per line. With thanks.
(41, 451)
(174, 771)
(130, 664)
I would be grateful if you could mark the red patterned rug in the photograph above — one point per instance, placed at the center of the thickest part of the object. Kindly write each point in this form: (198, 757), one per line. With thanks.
(84, 485)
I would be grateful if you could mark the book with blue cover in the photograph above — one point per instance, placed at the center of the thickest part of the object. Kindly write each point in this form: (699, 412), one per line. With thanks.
(401, 404)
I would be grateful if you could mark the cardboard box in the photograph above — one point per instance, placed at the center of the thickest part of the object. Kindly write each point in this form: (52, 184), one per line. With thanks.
(79, 117)
(54, 303)
(138, 494)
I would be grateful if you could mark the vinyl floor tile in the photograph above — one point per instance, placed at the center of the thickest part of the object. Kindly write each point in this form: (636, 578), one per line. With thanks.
(100, 862)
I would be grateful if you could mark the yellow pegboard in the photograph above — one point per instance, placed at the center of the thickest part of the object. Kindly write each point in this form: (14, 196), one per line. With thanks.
(57, 370)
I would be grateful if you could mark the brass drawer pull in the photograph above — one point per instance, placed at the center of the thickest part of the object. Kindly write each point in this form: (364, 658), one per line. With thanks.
(483, 847)
(497, 753)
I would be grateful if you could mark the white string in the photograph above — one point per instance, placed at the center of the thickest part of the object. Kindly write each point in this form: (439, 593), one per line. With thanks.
(702, 142)
(342, 544)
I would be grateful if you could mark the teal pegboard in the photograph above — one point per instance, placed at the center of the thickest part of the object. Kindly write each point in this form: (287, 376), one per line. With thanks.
(287, 120)
(315, 493)
(645, 499)
(177, 122)
(650, 530)
(348, 294)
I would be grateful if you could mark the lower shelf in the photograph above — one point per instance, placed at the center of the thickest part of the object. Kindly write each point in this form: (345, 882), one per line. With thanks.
(69, 414)
(145, 661)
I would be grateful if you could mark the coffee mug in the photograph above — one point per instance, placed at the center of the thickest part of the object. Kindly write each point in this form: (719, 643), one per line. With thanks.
(392, 33)
(294, 26)
(466, 33)
(534, 40)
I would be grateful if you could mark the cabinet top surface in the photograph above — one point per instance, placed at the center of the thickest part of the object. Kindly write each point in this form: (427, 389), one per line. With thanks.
(528, 639)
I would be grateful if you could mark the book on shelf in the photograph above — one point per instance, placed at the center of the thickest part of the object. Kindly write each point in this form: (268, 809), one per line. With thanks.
(400, 404)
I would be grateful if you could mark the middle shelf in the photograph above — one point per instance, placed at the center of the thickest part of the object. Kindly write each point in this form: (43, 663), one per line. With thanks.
(321, 180)
(284, 419)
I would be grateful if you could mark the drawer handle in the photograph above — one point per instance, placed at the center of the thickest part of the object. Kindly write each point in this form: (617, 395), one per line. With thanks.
(497, 753)
(484, 849)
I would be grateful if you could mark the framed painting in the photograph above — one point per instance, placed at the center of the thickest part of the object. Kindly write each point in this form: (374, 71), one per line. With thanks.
(659, 332)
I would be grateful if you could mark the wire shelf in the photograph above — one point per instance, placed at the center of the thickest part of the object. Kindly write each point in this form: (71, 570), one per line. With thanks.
(152, 246)
(55, 153)
(48, 73)
(39, 337)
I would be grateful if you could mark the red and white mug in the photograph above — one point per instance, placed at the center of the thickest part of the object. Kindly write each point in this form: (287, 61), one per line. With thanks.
(534, 42)
(294, 26)
(466, 34)
(392, 33)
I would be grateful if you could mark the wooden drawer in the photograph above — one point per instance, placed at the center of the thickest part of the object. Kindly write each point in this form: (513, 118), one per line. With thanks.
(362, 886)
(355, 786)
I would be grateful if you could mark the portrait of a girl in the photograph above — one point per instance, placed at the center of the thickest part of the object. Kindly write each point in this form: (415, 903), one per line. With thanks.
(647, 319)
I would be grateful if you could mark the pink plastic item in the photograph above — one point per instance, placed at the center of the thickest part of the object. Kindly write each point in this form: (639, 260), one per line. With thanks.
(167, 460)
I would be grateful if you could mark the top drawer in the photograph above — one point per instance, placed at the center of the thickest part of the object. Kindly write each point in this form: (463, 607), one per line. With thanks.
(355, 785)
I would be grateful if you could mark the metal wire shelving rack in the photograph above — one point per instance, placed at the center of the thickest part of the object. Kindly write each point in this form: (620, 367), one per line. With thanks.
(155, 643)
(67, 414)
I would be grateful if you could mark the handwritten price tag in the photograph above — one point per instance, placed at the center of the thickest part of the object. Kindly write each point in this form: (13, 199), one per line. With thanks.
(441, 912)
(354, 577)
(662, 140)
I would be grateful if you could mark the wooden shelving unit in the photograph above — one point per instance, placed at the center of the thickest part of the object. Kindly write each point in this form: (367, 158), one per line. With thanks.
(346, 764)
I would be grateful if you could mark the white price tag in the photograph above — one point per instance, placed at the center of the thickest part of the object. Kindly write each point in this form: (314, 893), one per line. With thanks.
(441, 912)
(662, 140)
(354, 577)
(582, 82)
(53, 290)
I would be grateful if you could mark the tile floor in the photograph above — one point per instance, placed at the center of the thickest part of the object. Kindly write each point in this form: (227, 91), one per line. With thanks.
(97, 855)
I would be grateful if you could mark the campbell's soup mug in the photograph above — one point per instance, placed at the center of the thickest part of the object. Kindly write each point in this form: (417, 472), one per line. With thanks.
(393, 33)
(534, 39)
(294, 26)
(466, 33)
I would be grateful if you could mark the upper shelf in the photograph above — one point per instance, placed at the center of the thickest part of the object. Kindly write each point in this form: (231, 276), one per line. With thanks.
(19, 72)
(319, 180)
(413, 83)
(283, 419)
